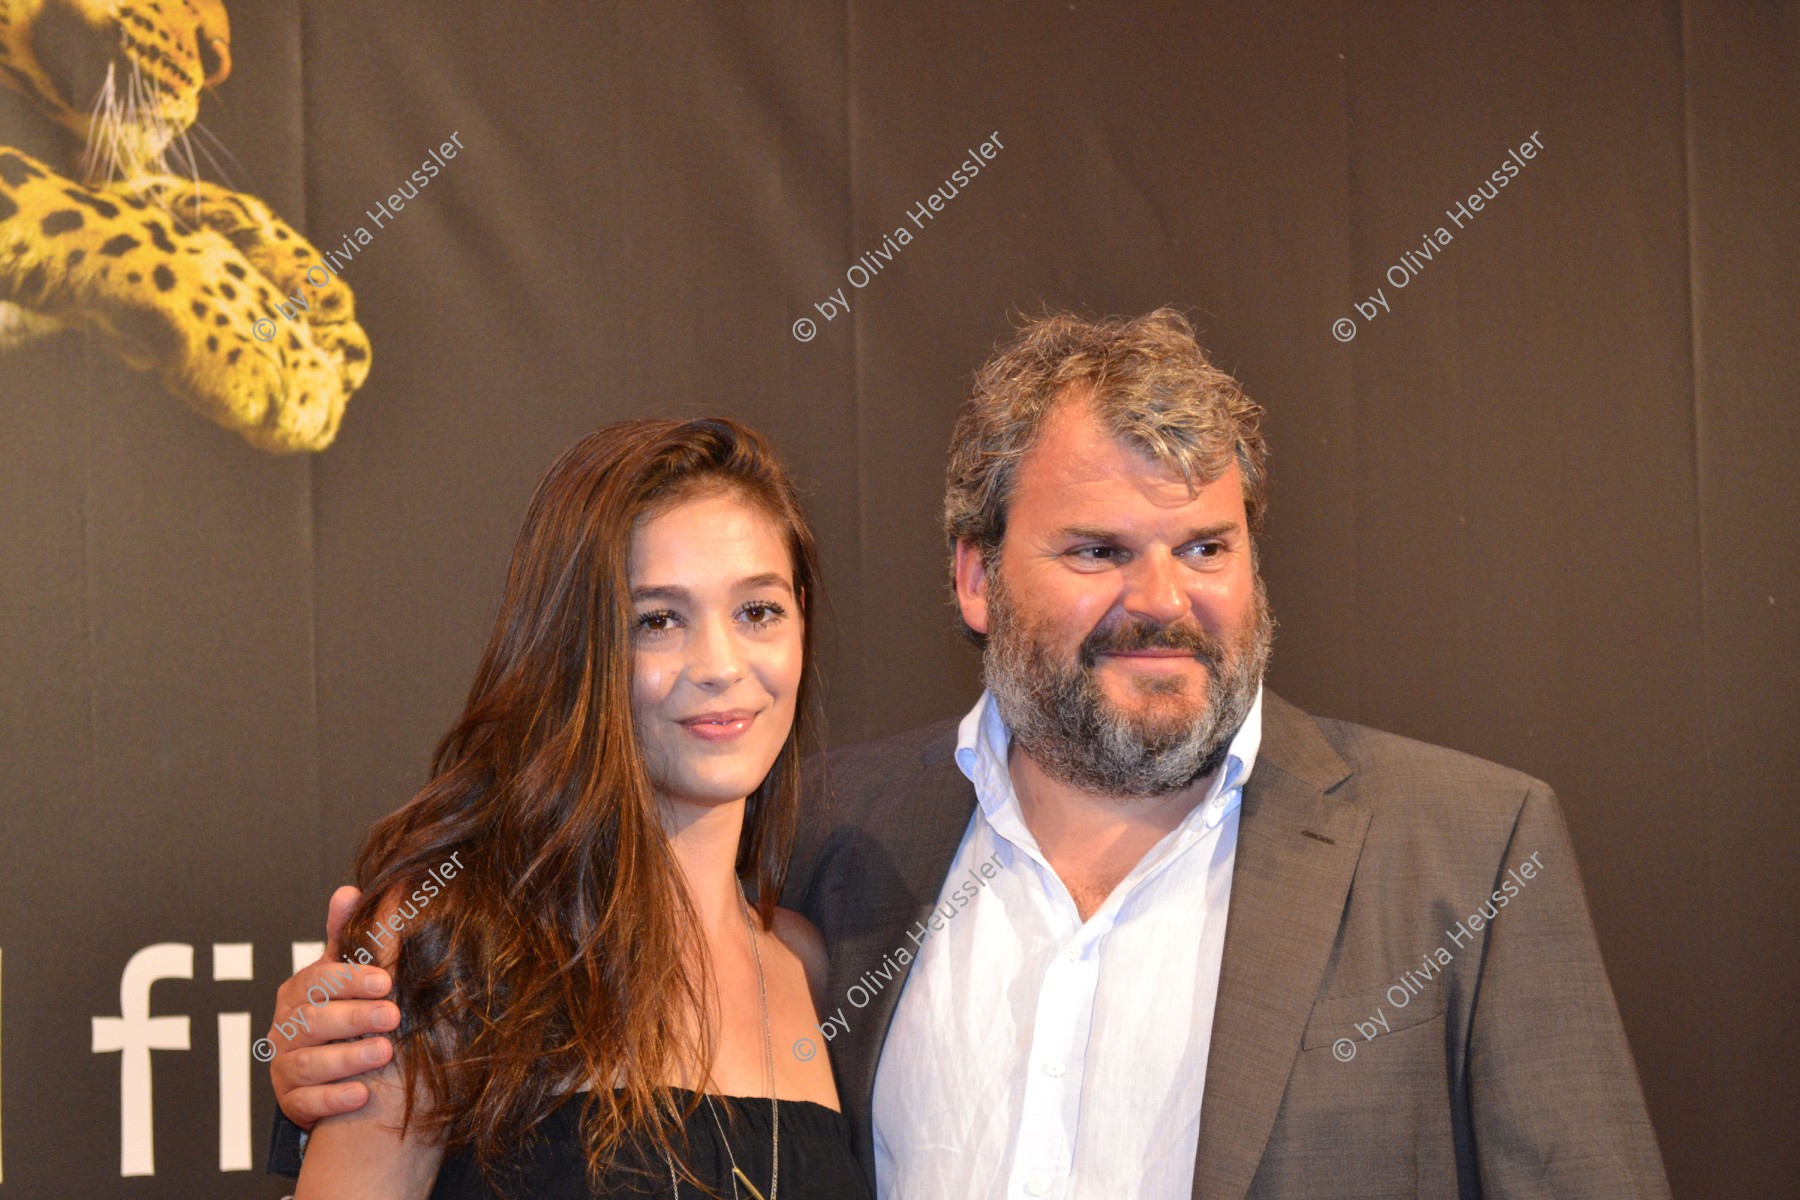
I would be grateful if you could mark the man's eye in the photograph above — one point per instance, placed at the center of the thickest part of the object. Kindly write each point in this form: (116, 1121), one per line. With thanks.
(1096, 553)
(1206, 549)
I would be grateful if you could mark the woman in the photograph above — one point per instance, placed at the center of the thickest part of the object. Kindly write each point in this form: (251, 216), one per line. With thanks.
(562, 906)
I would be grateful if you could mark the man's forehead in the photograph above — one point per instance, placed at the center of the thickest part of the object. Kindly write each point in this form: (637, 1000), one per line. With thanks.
(1079, 472)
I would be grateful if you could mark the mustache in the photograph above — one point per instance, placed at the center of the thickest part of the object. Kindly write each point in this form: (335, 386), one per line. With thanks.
(1136, 633)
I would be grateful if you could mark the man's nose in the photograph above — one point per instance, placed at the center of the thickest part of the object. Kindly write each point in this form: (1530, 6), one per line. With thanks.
(1153, 588)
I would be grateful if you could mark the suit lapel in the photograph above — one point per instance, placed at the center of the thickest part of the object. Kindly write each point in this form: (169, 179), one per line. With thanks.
(900, 881)
(1297, 851)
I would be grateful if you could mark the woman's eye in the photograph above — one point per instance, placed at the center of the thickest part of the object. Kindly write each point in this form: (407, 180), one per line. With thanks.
(655, 622)
(763, 612)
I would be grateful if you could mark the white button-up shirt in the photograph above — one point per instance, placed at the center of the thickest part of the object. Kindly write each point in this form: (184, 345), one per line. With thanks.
(1032, 1054)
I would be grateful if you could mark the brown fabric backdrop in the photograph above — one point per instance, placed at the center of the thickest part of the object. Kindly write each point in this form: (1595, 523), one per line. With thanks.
(1543, 509)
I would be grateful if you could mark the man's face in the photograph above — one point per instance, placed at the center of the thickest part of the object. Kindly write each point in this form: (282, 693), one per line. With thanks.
(1127, 628)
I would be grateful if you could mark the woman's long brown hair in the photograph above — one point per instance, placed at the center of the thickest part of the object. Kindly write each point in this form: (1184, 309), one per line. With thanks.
(564, 952)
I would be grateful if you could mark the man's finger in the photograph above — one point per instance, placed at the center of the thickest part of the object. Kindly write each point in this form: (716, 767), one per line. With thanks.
(306, 1107)
(336, 913)
(314, 1025)
(324, 982)
(323, 1066)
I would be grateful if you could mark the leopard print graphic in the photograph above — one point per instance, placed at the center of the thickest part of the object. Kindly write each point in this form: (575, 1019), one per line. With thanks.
(165, 271)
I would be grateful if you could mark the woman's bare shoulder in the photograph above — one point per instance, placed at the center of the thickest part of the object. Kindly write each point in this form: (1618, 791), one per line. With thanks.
(803, 938)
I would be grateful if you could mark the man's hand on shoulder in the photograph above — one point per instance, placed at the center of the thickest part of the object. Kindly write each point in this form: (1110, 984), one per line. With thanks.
(316, 1010)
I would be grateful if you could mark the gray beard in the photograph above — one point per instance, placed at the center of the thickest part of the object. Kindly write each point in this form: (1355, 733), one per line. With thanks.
(1059, 714)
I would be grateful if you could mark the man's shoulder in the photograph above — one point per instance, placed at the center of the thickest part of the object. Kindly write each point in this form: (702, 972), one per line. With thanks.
(1438, 819)
(890, 786)
(896, 760)
(892, 801)
(1377, 751)
(1389, 770)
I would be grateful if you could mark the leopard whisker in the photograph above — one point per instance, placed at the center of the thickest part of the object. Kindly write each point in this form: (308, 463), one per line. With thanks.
(150, 116)
(181, 148)
(100, 125)
(102, 99)
(126, 120)
(118, 123)
(147, 117)
(153, 152)
(225, 177)
(91, 151)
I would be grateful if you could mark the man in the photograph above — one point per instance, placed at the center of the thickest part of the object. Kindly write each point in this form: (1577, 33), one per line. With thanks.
(1135, 926)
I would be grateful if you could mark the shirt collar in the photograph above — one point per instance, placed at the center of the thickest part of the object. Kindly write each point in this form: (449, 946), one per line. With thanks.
(982, 741)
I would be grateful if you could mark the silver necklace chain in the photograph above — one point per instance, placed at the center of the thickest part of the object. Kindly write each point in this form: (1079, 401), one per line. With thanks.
(762, 987)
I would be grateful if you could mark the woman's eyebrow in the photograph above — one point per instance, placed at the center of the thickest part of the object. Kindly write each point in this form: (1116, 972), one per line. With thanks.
(677, 594)
(766, 579)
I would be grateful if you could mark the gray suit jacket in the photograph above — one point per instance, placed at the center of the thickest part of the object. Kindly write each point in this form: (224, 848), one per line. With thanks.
(1361, 858)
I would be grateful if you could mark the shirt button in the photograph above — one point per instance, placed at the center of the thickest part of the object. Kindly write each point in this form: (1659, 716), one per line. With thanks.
(1038, 1186)
(1072, 953)
(1054, 1070)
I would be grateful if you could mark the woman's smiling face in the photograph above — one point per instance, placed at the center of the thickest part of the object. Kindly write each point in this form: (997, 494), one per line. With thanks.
(716, 646)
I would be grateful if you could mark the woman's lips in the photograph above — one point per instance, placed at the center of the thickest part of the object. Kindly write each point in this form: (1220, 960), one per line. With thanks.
(720, 726)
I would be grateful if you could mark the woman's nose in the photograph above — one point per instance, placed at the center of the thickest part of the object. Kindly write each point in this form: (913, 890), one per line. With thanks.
(715, 659)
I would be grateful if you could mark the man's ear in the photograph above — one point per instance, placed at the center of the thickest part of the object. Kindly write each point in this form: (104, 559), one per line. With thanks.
(971, 586)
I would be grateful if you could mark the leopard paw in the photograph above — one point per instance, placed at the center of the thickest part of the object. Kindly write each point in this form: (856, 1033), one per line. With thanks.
(307, 291)
(179, 299)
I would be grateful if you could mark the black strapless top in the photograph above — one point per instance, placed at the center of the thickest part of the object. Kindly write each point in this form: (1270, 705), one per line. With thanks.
(816, 1163)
